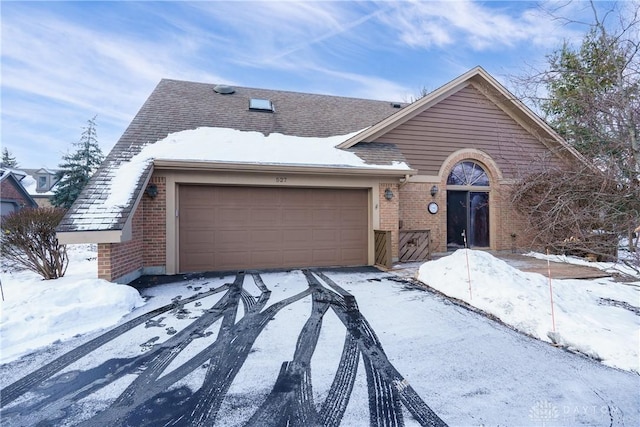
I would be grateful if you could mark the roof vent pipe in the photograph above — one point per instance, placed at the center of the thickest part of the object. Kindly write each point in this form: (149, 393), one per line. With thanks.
(224, 89)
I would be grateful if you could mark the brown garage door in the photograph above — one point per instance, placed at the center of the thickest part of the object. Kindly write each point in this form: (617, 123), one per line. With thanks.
(229, 228)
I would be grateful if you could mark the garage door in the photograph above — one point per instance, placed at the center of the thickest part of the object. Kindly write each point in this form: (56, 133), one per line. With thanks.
(230, 228)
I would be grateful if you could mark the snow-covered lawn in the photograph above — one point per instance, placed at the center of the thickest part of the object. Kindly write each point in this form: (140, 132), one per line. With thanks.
(600, 318)
(36, 312)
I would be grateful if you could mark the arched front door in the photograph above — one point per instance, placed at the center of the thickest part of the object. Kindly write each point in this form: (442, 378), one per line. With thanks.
(467, 206)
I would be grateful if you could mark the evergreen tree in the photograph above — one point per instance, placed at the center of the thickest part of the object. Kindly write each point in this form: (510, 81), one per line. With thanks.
(7, 159)
(590, 91)
(76, 168)
(594, 100)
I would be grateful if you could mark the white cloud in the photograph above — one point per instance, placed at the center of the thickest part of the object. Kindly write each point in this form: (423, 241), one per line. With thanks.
(481, 26)
(268, 32)
(57, 73)
(63, 62)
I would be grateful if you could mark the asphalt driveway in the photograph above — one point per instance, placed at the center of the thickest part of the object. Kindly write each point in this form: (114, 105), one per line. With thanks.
(324, 347)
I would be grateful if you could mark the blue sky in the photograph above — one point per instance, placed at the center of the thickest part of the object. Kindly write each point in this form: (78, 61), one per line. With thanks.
(65, 62)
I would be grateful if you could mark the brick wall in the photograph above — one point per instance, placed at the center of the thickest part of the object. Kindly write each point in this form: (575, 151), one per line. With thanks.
(104, 261)
(504, 220)
(147, 247)
(155, 219)
(116, 260)
(414, 199)
(389, 215)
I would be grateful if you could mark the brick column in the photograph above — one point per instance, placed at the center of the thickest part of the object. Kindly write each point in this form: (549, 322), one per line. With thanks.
(155, 225)
(123, 261)
(389, 215)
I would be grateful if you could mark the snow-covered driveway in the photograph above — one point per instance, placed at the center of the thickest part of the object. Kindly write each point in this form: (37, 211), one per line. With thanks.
(338, 347)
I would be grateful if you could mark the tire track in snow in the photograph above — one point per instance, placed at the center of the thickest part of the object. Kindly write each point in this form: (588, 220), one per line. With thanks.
(291, 399)
(18, 388)
(335, 405)
(154, 397)
(371, 350)
(152, 363)
(230, 350)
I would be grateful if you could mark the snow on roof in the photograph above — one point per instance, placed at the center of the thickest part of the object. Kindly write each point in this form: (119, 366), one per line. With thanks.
(19, 174)
(209, 144)
(31, 185)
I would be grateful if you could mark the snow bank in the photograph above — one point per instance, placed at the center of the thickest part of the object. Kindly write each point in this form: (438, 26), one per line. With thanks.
(37, 312)
(596, 317)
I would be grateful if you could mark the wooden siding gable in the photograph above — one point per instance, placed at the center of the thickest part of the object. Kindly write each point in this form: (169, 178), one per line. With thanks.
(492, 95)
(467, 119)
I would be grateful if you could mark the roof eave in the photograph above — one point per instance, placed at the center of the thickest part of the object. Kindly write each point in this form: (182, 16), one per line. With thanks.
(279, 168)
(94, 236)
(116, 234)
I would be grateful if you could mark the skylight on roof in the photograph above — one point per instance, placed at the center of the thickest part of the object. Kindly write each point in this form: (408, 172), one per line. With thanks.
(260, 104)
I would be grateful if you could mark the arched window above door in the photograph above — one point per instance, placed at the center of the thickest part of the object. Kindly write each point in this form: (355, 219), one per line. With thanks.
(468, 173)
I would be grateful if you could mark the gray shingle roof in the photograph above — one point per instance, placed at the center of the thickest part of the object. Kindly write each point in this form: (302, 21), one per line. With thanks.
(181, 105)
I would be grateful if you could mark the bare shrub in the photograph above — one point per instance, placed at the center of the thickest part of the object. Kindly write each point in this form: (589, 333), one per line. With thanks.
(589, 92)
(578, 210)
(29, 240)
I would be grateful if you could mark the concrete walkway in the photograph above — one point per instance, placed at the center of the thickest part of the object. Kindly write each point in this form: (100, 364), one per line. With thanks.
(559, 270)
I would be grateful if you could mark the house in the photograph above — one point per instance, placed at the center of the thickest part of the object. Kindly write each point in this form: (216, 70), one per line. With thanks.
(13, 195)
(39, 183)
(212, 177)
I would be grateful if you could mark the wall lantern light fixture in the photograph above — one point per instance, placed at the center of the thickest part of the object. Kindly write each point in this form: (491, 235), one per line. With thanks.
(388, 194)
(434, 191)
(152, 190)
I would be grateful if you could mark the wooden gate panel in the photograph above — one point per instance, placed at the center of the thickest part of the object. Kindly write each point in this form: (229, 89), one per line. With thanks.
(383, 248)
(414, 245)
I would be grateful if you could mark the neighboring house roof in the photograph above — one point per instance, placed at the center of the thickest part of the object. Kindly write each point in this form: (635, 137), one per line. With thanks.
(17, 173)
(27, 178)
(177, 107)
(46, 171)
(49, 173)
(9, 178)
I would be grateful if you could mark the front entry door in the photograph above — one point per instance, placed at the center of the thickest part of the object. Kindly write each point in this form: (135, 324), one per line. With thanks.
(468, 215)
